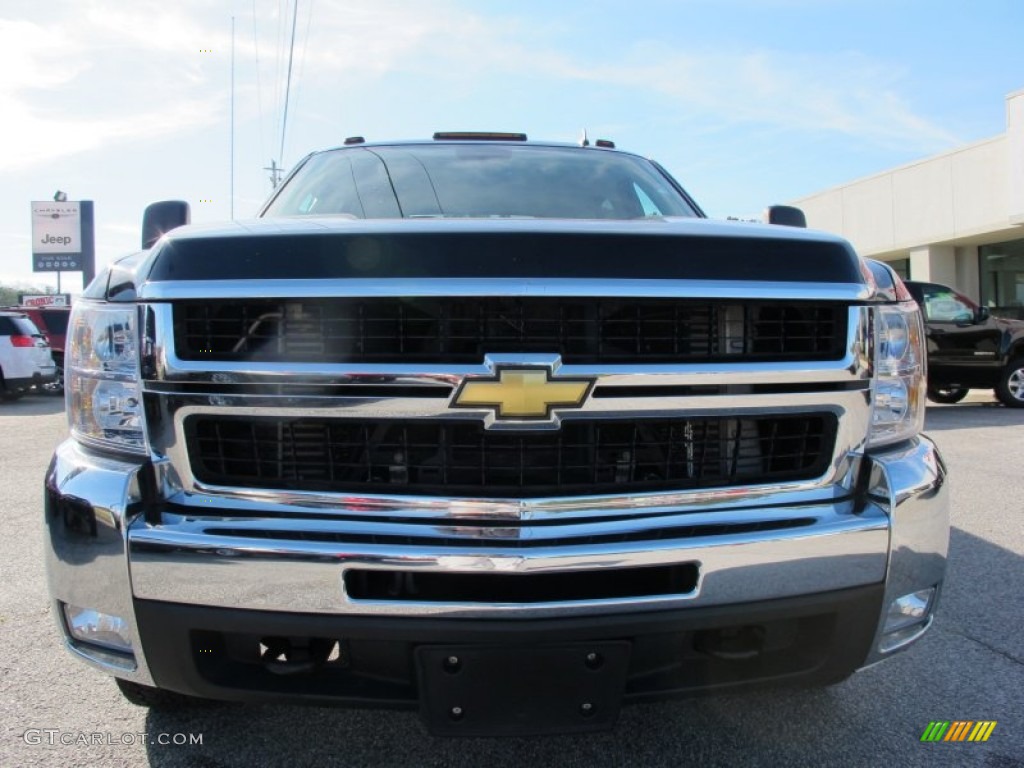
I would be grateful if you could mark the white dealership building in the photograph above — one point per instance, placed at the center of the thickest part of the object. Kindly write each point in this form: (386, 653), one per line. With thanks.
(955, 218)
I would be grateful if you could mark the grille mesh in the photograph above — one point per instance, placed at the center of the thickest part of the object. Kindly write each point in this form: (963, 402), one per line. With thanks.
(464, 329)
(462, 459)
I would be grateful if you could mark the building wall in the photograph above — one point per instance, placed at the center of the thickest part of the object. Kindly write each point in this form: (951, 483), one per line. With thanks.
(937, 211)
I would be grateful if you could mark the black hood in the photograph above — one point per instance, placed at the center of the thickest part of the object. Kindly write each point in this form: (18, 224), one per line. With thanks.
(338, 249)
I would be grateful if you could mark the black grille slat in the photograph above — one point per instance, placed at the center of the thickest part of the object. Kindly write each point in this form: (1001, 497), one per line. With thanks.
(464, 329)
(462, 459)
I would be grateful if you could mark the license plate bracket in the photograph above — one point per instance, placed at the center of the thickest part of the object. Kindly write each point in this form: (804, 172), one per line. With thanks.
(485, 690)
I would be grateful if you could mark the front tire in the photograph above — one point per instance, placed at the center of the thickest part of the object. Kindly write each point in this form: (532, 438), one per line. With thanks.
(938, 393)
(1010, 387)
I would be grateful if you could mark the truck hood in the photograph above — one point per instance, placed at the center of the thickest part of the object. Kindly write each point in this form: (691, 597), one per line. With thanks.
(345, 248)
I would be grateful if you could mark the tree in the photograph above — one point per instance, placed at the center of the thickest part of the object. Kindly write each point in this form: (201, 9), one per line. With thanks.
(9, 294)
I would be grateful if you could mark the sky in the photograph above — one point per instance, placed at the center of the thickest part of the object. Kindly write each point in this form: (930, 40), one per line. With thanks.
(746, 102)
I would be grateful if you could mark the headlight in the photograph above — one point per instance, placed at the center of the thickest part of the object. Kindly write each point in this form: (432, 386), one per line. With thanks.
(104, 397)
(898, 407)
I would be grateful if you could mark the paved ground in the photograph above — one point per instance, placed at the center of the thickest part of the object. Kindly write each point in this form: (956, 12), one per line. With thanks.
(971, 666)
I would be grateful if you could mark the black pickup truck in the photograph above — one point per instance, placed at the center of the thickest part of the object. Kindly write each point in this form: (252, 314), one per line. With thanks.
(968, 348)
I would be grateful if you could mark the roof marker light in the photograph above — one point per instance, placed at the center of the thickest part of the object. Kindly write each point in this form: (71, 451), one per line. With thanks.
(478, 136)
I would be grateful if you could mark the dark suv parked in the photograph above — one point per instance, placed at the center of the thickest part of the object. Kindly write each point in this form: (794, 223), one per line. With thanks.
(968, 348)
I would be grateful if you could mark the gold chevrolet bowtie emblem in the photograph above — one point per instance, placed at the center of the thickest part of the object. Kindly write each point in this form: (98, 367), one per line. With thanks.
(528, 393)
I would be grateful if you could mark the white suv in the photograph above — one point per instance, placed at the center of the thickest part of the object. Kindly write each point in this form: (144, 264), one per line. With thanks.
(25, 357)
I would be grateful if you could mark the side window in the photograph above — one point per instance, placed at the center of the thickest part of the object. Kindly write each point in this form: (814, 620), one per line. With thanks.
(946, 307)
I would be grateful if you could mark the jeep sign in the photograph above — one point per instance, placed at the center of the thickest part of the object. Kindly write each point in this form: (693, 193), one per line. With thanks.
(56, 228)
(62, 237)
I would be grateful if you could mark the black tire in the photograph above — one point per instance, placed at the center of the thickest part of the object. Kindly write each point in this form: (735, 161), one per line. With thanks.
(1010, 387)
(56, 387)
(156, 698)
(8, 394)
(941, 394)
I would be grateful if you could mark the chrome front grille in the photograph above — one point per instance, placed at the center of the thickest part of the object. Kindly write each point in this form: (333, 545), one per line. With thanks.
(699, 397)
(463, 329)
(461, 459)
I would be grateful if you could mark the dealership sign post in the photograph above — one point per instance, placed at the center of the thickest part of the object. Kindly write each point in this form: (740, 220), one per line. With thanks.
(63, 238)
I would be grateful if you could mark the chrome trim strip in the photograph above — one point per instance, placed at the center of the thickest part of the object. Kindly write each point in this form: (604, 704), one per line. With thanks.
(539, 286)
(241, 503)
(683, 406)
(216, 372)
(121, 665)
(906, 641)
(181, 562)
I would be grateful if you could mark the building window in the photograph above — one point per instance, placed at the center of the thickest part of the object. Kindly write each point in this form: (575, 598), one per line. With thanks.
(902, 267)
(1002, 278)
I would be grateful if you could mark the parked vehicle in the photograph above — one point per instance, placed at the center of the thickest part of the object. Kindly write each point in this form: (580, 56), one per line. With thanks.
(968, 347)
(52, 321)
(505, 432)
(25, 357)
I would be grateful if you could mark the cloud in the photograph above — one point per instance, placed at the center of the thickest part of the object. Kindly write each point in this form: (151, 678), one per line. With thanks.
(105, 71)
(844, 93)
(82, 82)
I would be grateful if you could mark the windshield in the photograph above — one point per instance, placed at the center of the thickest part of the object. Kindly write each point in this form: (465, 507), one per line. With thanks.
(478, 181)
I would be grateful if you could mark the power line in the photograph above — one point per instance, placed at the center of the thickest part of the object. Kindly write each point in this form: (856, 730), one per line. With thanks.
(259, 86)
(288, 81)
(232, 195)
(299, 79)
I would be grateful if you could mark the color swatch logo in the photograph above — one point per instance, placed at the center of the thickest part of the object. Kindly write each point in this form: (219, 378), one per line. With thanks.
(958, 730)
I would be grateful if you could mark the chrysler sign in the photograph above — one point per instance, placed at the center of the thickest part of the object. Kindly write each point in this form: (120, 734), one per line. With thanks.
(62, 236)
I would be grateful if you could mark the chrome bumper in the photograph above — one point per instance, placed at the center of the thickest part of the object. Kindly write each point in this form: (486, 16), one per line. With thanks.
(894, 531)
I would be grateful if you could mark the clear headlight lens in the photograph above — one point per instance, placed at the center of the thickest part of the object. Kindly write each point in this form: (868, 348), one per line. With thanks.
(103, 391)
(899, 394)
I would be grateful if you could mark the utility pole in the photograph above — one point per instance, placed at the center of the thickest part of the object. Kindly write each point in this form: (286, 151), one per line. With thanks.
(276, 172)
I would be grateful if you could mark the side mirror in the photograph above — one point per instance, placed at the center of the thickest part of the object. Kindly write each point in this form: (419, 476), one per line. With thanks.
(160, 218)
(982, 315)
(786, 215)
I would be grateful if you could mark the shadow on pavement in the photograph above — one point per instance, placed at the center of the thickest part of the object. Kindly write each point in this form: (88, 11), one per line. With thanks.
(969, 415)
(32, 404)
(970, 666)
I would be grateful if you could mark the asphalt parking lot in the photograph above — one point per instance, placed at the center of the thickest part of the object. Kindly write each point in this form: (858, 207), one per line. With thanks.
(969, 667)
